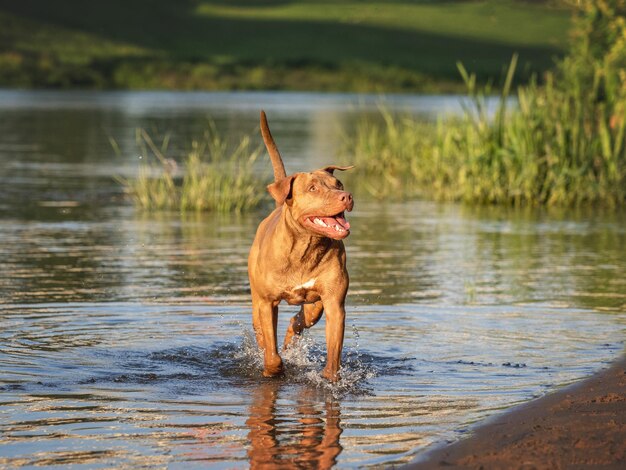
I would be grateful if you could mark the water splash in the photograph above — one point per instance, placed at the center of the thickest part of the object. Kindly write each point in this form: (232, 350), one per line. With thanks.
(303, 362)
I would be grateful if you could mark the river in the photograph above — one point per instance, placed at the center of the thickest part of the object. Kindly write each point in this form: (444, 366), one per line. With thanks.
(126, 336)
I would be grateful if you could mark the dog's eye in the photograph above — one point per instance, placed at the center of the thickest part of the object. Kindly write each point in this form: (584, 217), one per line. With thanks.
(312, 188)
(339, 186)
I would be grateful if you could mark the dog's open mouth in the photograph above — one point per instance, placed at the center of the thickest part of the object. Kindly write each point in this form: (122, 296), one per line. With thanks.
(335, 226)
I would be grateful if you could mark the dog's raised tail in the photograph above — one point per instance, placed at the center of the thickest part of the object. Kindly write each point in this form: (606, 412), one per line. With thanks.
(270, 145)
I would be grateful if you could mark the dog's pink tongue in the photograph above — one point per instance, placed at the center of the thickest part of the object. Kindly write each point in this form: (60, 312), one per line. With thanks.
(342, 221)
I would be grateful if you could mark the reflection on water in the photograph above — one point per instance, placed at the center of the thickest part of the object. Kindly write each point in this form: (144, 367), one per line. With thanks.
(125, 336)
(311, 441)
(423, 253)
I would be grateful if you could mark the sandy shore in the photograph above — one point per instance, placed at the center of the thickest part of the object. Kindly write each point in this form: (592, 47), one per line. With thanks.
(580, 426)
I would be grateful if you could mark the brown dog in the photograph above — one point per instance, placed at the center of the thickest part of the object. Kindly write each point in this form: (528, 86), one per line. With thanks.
(298, 256)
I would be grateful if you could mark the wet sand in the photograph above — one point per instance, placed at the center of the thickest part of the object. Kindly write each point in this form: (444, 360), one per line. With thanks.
(580, 426)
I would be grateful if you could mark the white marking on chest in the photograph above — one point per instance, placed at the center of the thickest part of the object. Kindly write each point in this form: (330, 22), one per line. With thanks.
(307, 285)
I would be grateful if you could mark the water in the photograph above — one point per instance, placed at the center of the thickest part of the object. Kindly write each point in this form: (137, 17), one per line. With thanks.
(126, 337)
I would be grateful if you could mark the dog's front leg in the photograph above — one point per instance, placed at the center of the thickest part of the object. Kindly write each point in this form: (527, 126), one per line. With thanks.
(268, 313)
(335, 325)
(256, 320)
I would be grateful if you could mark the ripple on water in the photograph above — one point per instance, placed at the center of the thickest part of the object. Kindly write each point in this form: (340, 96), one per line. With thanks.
(224, 365)
(153, 384)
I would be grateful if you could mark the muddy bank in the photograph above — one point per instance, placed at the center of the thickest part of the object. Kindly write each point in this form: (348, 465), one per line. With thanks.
(582, 425)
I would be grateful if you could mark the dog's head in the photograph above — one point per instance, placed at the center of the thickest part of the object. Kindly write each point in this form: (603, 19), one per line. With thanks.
(317, 201)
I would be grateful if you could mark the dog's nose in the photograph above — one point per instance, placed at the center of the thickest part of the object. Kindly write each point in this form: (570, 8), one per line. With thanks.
(345, 197)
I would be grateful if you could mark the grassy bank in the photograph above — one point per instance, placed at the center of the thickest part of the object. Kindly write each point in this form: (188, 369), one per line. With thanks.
(214, 176)
(561, 143)
(382, 45)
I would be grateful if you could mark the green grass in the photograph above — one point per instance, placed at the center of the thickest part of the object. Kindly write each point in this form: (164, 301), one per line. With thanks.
(359, 45)
(214, 176)
(562, 143)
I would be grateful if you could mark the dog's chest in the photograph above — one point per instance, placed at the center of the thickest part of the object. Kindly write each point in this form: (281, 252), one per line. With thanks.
(301, 293)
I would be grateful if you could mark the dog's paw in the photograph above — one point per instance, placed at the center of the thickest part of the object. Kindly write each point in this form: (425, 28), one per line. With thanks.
(272, 373)
(273, 370)
(331, 376)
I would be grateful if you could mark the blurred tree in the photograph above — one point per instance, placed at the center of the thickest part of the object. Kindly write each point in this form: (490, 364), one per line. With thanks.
(599, 45)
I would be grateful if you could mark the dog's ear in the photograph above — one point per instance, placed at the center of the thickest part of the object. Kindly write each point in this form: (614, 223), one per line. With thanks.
(332, 168)
(281, 190)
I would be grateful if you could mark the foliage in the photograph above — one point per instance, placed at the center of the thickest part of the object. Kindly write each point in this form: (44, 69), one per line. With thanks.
(562, 144)
(214, 176)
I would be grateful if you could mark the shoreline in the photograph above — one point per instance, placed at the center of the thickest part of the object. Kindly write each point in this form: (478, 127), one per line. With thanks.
(583, 424)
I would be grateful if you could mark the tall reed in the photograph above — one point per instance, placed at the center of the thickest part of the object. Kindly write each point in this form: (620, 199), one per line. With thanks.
(213, 176)
(559, 143)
